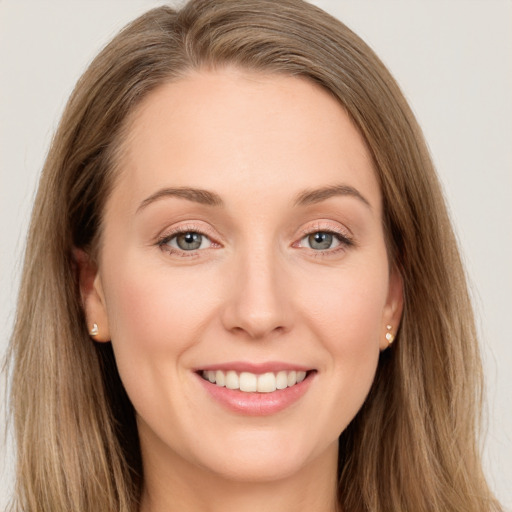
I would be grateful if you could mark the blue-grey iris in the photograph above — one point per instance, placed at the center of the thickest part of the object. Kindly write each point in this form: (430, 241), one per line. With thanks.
(189, 241)
(320, 240)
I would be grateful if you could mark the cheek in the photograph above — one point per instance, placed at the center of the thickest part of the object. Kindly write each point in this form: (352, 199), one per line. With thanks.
(347, 317)
(347, 308)
(153, 308)
(155, 316)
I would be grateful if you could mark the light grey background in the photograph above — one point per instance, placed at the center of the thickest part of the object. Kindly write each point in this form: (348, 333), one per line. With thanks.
(453, 59)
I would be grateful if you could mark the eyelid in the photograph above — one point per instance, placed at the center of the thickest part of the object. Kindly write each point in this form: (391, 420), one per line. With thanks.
(343, 234)
(189, 226)
(326, 227)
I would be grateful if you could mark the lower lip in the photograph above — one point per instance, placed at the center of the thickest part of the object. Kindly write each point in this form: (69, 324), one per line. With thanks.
(257, 404)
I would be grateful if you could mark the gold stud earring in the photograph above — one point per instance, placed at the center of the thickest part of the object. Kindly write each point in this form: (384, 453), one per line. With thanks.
(389, 335)
(94, 331)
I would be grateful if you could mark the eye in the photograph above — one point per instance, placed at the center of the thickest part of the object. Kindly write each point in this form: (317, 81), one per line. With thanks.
(187, 241)
(321, 241)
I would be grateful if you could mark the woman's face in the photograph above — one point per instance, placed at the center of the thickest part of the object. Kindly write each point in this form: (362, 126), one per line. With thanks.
(243, 244)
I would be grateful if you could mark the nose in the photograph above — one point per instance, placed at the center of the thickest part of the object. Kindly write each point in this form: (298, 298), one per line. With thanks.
(258, 304)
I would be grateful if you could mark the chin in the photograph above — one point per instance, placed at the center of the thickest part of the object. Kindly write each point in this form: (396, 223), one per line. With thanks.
(266, 460)
(258, 469)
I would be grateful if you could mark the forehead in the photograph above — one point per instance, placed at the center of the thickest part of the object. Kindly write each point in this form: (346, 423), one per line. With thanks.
(239, 132)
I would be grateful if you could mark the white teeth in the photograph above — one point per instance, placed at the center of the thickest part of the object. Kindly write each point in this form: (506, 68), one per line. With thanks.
(220, 379)
(266, 383)
(232, 381)
(250, 382)
(292, 378)
(282, 380)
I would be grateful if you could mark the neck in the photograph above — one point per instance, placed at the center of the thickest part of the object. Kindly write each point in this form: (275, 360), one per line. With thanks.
(180, 486)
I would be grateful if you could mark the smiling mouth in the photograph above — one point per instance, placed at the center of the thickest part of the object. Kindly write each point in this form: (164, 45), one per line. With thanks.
(254, 383)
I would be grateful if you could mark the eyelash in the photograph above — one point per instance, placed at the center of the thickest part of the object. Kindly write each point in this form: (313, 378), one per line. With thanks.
(189, 228)
(345, 240)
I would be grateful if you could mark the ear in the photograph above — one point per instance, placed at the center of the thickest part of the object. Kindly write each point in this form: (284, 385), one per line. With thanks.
(393, 309)
(93, 299)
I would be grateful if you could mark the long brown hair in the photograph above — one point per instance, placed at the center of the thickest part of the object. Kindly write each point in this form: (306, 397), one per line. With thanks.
(414, 444)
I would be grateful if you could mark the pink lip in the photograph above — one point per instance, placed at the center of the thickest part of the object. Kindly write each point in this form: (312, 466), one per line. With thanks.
(257, 368)
(256, 404)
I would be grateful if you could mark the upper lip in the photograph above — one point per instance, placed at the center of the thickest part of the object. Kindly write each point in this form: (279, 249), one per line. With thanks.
(257, 368)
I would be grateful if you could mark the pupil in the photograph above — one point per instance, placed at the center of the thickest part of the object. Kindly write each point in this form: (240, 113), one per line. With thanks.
(320, 240)
(189, 241)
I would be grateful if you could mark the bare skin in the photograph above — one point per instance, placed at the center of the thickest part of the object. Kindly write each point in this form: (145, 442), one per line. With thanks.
(245, 228)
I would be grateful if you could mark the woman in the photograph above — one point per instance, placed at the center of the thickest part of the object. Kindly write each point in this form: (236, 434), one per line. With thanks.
(242, 288)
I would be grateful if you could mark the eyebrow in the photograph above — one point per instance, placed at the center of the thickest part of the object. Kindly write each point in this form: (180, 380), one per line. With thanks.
(195, 195)
(209, 198)
(321, 194)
